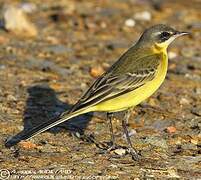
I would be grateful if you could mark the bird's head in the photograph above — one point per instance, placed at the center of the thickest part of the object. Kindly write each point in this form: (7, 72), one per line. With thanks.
(159, 37)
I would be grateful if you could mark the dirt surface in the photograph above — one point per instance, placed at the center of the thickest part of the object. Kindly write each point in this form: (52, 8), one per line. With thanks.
(42, 76)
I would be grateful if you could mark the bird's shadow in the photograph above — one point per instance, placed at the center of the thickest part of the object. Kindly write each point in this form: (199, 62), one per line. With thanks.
(42, 105)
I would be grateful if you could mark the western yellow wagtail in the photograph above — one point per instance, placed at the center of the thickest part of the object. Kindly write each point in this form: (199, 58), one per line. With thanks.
(133, 78)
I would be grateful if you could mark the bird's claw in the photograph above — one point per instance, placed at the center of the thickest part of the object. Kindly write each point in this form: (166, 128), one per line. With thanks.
(108, 146)
(134, 154)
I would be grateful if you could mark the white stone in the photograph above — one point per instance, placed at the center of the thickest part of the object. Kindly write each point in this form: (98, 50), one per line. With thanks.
(17, 21)
(28, 7)
(120, 151)
(130, 22)
(143, 16)
(184, 101)
(172, 55)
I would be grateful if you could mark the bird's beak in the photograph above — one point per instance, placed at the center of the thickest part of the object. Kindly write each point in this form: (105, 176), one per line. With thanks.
(178, 34)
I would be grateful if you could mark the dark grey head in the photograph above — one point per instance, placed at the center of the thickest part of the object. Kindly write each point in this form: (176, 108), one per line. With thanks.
(160, 34)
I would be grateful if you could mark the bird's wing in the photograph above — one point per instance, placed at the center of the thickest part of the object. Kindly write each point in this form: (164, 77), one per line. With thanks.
(112, 84)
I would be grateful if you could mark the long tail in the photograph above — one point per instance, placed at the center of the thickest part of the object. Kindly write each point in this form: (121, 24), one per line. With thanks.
(43, 127)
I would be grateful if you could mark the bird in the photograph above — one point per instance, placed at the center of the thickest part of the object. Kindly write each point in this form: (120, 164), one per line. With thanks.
(134, 77)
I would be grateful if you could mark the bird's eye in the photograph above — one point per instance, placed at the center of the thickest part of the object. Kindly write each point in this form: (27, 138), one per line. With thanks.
(165, 34)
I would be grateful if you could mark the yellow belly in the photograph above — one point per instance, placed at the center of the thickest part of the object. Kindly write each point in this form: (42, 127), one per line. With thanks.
(135, 97)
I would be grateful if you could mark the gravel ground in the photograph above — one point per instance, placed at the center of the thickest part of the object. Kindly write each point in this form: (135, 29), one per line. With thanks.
(43, 75)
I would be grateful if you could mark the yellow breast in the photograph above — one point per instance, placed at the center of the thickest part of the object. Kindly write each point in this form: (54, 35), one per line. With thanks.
(135, 97)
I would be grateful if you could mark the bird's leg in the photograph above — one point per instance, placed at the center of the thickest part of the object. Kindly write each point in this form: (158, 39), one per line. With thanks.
(127, 115)
(105, 146)
(109, 146)
(131, 149)
(112, 141)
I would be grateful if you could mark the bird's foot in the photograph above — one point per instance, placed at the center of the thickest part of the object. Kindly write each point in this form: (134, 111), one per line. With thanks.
(135, 155)
(88, 138)
(118, 151)
(108, 146)
(112, 146)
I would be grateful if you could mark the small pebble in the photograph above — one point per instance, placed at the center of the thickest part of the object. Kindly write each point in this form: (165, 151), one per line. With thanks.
(27, 145)
(103, 25)
(28, 7)
(11, 98)
(52, 40)
(130, 22)
(96, 71)
(2, 67)
(105, 65)
(120, 151)
(171, 129)
(184, 101)
(172, 55)
(143, 16)
(198, 90)
(20, 127)
(83, 86)
(194, 141)
(172, 66)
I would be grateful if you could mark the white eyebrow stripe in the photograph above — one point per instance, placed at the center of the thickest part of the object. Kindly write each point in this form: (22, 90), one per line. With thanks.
(157, 33)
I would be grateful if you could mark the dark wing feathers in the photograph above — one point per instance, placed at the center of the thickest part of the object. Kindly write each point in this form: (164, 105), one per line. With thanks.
(112, 84)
